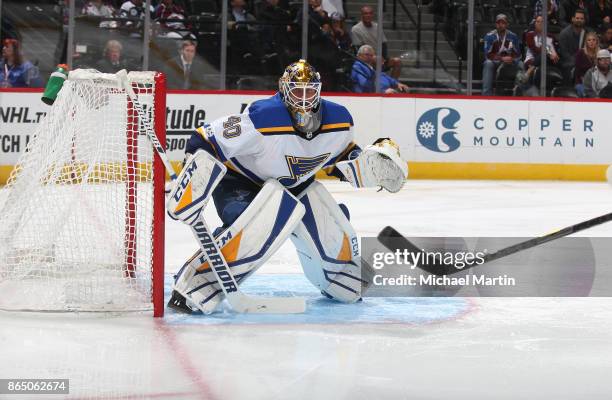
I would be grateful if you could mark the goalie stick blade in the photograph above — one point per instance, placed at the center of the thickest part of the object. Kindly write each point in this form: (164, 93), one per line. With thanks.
(395, 241)
(266, 305)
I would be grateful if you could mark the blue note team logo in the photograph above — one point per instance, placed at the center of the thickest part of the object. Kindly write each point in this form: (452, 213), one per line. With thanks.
(436, 129)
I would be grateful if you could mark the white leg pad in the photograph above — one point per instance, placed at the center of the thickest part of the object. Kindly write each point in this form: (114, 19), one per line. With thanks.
(328, 246)
(246, 245)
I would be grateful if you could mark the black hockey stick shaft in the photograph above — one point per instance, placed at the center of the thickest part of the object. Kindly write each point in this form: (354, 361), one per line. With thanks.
(394, 240)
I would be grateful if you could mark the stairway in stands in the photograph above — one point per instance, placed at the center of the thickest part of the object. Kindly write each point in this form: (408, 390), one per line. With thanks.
(417, 72)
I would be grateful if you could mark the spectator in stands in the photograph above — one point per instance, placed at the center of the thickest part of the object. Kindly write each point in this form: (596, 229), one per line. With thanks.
(568, 8)
(598, 77)
(187, 71)
(322, 52)
(15, 70)
(605, 41)
(363, 74)
(271, 11)
(339, 33)
(366, 32)
(98, 8)
(168, 10)
(600, 12)
(245, 48)
(530, 81)
(571, 39)
(533, 42)
(552, 11)
(239, 13)
(318, 19)
(333, 7)
(586, 58)
(113, 60)
(501, 48)
(273, 36)
(134, 9)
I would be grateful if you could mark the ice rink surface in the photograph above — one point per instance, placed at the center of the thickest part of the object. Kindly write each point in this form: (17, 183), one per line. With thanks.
(397, 348)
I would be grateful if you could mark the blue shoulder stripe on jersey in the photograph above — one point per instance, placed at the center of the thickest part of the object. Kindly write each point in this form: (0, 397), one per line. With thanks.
(271, 113)
(334, 113)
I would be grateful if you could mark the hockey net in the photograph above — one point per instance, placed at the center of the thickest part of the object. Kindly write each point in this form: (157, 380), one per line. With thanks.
(82, 217)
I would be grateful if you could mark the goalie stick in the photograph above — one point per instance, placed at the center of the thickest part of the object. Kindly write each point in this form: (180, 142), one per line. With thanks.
(394, 241)
(123, 78)
(239, 301)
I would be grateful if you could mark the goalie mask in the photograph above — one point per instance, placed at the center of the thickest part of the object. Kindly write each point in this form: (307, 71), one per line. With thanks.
(300, 89)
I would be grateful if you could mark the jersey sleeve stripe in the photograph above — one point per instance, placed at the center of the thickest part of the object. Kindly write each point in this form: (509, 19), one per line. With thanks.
(334, 126)
(321, 131)
(202, 133)
(231, 166)
(215, 145)
(276, 129)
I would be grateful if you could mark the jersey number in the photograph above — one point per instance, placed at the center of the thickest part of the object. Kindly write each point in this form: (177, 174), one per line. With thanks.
(231, 127)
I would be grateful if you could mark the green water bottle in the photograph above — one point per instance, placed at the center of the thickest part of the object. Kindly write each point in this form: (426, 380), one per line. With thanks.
(56, 80)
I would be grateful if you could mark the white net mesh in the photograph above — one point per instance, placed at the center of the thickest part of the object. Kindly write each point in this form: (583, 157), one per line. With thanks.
(77, 211)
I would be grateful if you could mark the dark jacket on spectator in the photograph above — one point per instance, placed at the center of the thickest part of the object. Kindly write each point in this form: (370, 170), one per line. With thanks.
(567, 8)
(273, 36)
(341, 40)
(583, 64)
(569, 43)
(270, 13)
(104, 65)
(177, 78)
(315, 22)
(597, 15)
(553, 11)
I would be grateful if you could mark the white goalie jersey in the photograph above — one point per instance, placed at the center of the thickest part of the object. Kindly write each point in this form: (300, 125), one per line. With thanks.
(262, 144)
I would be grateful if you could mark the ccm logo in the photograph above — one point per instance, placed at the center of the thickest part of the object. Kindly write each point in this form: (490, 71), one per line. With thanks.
(355, 246)
(185, 180)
